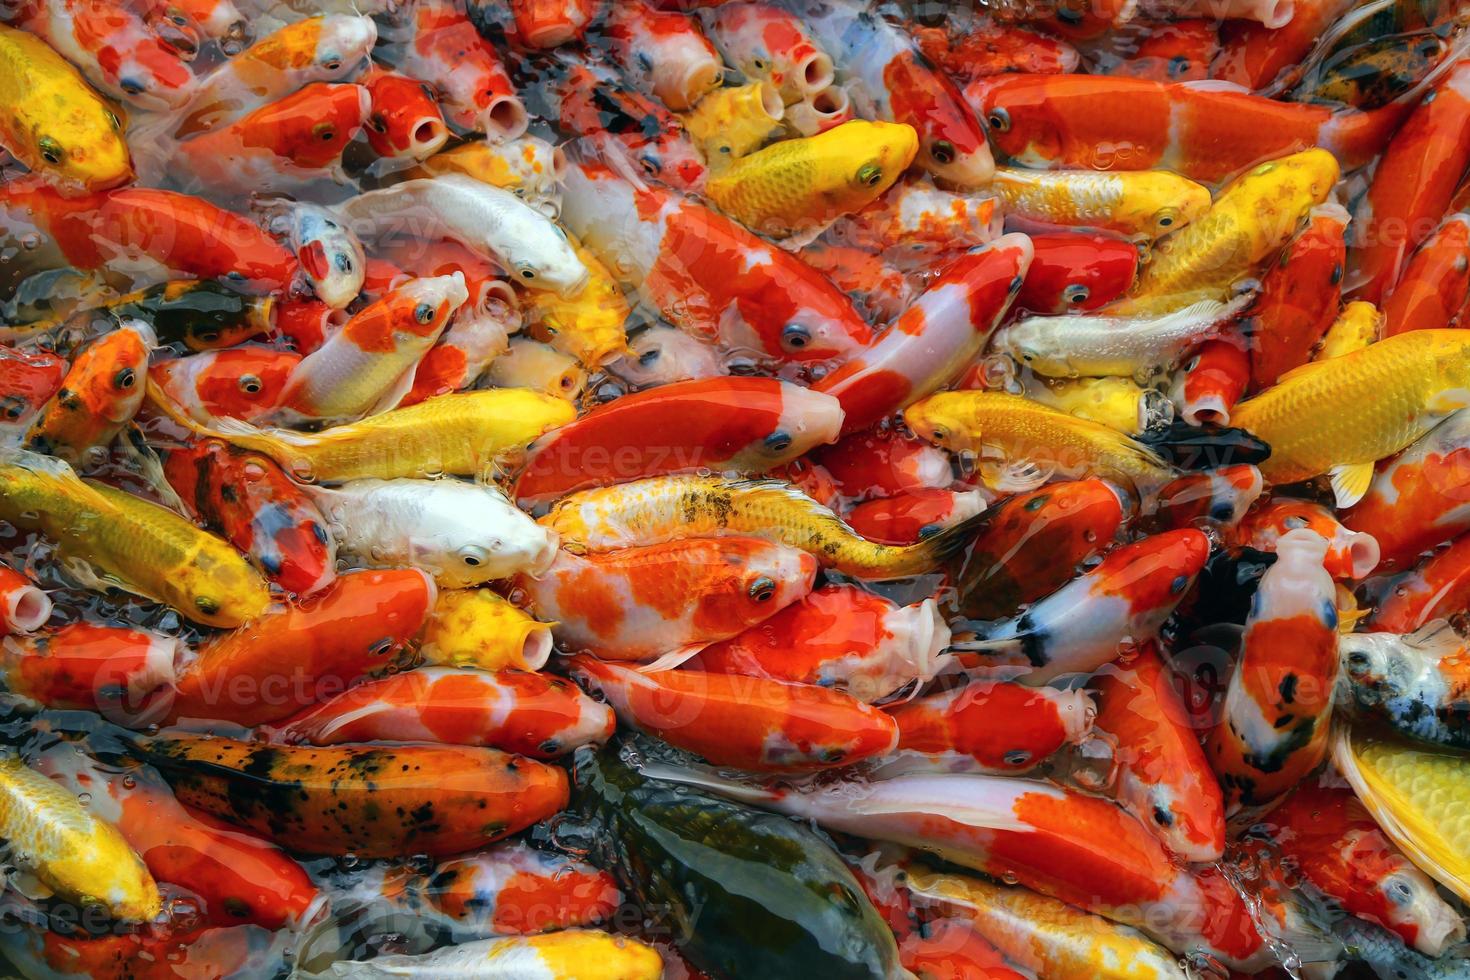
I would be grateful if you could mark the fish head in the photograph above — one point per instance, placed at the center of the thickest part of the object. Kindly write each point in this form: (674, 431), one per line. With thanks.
(1380, 666)
(423, 306)
(751, 580)
(108, 376)
(336, 44)
(1164, 202)
(807, 419)
(404, 120)
(219, 588)
(952, 143)
(242, 382)
(870, 156)
(83, 146)
(332, 259)
(943, 419)
(1018, 121)
(1153, 575)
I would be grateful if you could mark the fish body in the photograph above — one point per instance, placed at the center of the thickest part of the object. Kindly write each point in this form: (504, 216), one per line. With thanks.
(739, 425)
(1163, 777)
(666, 508)
(840, 637)
(890, 80)
(1357, 326)
(475, 93)
(485, 218)
(910, 518)
(995, 727)
(99, 395)
(1344, 414)
(460, 434)
(1434, 288)
(916, 224)
(802, 185)
(1274, 726)
(532, 714)
(359, 625)
(355, 799)
(709, 275)
(1437, 589)
(951, 945)
(550, 23)
(195, 314)
(1219, 497)
(1147, 204)
(752, 723)
(664, 53)
(117, 51)
(934, 339)
(1299, 297)
(586, 954)
(77, 855)
(369, 362)
(462, 533)
(883, 462)
(28, 380)
(134, 544)
(528, 167)
(248, 499)
(112, 670)
(640, 603)
(1089, 622)
(1071, 271)
(1025, 433)
(1417, 683)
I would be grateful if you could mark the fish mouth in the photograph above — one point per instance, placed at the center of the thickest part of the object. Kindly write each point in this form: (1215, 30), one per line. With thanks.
(505, 118)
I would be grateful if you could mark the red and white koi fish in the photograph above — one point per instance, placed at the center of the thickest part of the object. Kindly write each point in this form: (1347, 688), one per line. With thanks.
(935, 339)
(1412, 186)
(114, 47)
(884, 462)
(465, 70)
(112, 670)
(890, 80)
(1212, 381)
(317, 49)
(478, 334)
(663, 53)
(995, 727)
(910, 517)
(737, 425)
(1330, 839)
(993, 48)
(368, 365)
(1350, 554)
(1106, 122)
(539, 715)
(709, 275)
(282, 146)
(1163, 777)
(953, 948)
(1435, 285)
(768, 44)
(749, 722)
(1075, 271)
(552, 23)
(404, 121)
(1086, 623)
(1299, 297)
(916, 224)
(255, 506)
(330, 256)
(1274, 727)
(241, 383)
(99, 395)
(1216, 498)
(840, 637)
(1437, 589)
(641, 603)
(28, 380)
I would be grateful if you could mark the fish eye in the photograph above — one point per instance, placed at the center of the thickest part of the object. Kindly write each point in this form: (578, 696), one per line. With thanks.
(778, 442)
(998, 119)
(250, 384)
(1179, 584)
(424, 313)
(649, 356)
(1399, 891)
(1358, 662)
(762, 589)
(377, 122)
(942, 151)
(795, 336)
(51, 150)
(528, 274)
(870, 174)
(1336, 274)
(472, 557)
(1076, 293)
(325, 132)
(124, 379)
(206, 605)
(649, 164)
(1166, 218)
(208, 336)
(759, 64)
(333, 64)
(939, 433)
(131, 86)
(343, 262)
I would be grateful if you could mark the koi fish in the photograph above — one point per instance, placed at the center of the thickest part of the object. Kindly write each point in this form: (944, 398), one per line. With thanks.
(99, 395)
(953, 948)
(527, 166)
(368, 365)
(1022, 727)
(1255, 56)
(1118, 403)
(883, 462)
(878, 289)
(113, 46)
(404, 121)
(459, 434)
(249, 500)
(663, 53)
(242, 383)
(1163, 776)
(552, 23)
(112, 670)
(663, 355)
(1218, 498)
(915, 225)
(536, 715)
(330, 256)
(730, 123)
(1298, 297)
(994, 48)
(676, 596)
(484, 218)
(1179, 51)
(1350, 554)
(839, 637)
(134, 544)
(1437, 589)
(358, 625)
(443, 49)
(73, 852)
(28, 380)
(1356, 327)
(1145, 204)
(1274, 726)
(589, 327)
(1023, 443)
(583, 953)
(1416, 683)
(1089, 621)
(478, 628)
(736, 425)
(708, 274)
(770, 45)
(463, 534)
(1212, 381)
(356, 799)
(1379, 399)
(1435, 285)
(1072, 271)
(933, 340)
(531, 364)
(24, 607)
(889, 79)
(663, 509)
(907, 519)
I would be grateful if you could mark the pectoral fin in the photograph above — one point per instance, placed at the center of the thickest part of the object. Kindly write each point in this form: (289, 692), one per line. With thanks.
(1350, 482)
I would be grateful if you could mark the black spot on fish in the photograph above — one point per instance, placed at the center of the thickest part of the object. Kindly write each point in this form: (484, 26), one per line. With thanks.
(1287, 688)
